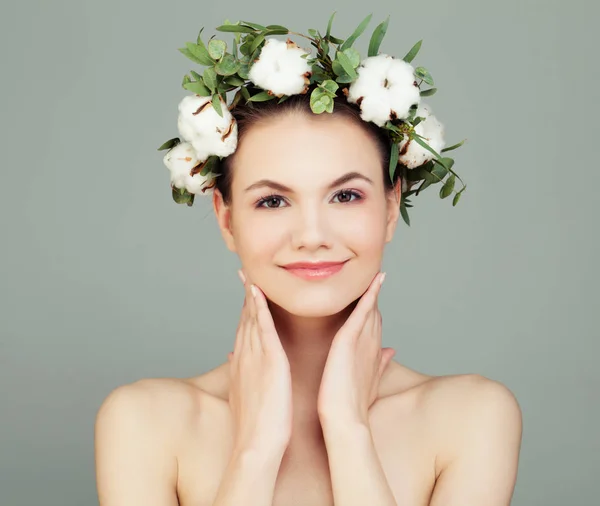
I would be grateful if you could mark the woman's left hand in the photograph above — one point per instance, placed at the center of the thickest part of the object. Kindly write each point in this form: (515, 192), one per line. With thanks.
(355, 364)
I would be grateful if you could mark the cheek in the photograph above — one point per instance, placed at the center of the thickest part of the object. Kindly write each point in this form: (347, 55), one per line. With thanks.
(364, 229)
(256, 239)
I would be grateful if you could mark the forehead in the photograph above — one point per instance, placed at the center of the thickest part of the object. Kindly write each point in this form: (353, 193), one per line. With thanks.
(299, 147)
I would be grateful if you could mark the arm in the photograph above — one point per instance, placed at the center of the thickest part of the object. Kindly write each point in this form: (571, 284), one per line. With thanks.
(356, 474)
(133, 461)
(482, 468)
(249, 479)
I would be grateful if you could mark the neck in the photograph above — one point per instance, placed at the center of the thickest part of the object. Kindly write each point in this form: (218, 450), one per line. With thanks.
(306, 342)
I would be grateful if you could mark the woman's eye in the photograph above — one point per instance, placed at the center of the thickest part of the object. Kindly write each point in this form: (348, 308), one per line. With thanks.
(270, 202)
(346, 196)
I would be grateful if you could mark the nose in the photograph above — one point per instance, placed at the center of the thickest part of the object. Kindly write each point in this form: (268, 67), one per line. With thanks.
(311, 229)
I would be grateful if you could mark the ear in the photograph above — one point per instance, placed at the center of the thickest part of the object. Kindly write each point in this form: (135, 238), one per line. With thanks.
(393, 209)
(223, 214)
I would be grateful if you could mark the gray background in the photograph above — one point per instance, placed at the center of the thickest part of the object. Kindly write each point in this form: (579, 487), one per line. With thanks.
(106, 280)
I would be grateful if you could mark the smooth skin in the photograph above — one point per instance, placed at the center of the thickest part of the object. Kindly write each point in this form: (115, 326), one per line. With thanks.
(309, 409)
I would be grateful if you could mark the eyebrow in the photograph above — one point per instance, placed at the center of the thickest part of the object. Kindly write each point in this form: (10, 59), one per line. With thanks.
(280, 187)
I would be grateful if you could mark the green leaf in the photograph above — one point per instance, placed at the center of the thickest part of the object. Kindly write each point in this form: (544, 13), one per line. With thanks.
(217, 48)
(438, 172)
(200, 52)
(244, 70)
(182, 196)
(328, 34)
(420, 141)
(313, 33)
(410, 56)
(171, 143)
(278, 28)
(186, 79)
(235, 28)
(423, 73)
(216, 103)
(245, 93)
(353, 56)
(335, 40)
(227, 66)
(361, 28)
(404, 213)
(393, 160)
(330, 86)
(446, 190)
(198, 88)
(190, 55)
(346, 64)
(257, 42)
(263, 96)
(195, 75)
(428, 93)
(377, 37)
(253, 25)
(235, 81)
(454, 146)
(318, 107)
(456, 199)
(210, 78)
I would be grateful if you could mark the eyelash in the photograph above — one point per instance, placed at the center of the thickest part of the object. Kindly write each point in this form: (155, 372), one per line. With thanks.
(266, 198)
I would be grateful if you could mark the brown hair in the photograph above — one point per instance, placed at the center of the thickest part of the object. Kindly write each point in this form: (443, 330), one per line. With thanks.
(248, 115)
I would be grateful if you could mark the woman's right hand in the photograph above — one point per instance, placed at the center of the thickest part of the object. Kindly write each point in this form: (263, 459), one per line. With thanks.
(260, 391)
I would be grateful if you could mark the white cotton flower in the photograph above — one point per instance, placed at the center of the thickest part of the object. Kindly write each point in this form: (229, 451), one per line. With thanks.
(432, 130)
(180, 160)
(281, 69)
(385, 89)
(201, 126)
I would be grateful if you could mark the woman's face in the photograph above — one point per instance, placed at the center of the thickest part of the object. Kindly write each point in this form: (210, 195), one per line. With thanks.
(308, 189)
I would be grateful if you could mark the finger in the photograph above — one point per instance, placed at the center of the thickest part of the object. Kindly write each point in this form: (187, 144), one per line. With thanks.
(386, 357)
(357, 318)
(268, 333)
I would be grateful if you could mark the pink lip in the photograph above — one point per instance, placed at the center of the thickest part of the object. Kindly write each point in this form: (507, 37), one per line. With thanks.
(318, 270)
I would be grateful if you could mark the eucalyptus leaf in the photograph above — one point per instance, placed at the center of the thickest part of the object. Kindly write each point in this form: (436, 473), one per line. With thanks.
(346, 64)
(186, 79)
(410, 56)
(394, 154)
(353, 56)
(253, 25)
(329, 24)
(216, 103)
(200, 52)
(195, 75)
(235, 28)
(263, 96)
(278, 28)
(428, 93)
(171, 143)
(456, 199)
(419, 140)
(185, 51)
(198, 88)
(330, 86)
(423, 73)
(257, 42)
(182, 196)
(361, 28)
(217, 48)
(227, 66)
(318, 107)
(210, 78)
(377, 37)
(235, 81)
(313, 33)
(404, 213)
(335, 40)
(454, 146)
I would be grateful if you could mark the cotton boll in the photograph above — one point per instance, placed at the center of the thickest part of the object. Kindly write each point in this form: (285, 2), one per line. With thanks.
(281, 69)
(200, 125)
(433, 132)
(180, 161)
(385, 89)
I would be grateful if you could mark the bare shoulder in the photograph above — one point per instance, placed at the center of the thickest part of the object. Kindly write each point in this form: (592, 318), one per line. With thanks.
(465, 409)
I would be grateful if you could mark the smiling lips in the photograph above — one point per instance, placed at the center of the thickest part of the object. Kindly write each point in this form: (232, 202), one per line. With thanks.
(314, 270)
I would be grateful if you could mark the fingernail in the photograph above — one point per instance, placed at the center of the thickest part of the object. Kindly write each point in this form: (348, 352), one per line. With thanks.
(253, 290)
(381, 279)
(242, 277)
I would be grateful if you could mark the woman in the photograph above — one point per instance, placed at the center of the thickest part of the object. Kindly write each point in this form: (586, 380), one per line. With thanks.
(261, 429)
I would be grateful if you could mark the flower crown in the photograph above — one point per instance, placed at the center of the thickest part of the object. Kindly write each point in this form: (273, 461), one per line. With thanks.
(385, 88)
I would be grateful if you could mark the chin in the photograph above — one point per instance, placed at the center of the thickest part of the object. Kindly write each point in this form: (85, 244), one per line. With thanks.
(314, 301)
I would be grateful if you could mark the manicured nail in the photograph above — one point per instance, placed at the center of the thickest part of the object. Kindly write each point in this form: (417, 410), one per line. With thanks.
(381, 279)
(253, 290)
(242, 277)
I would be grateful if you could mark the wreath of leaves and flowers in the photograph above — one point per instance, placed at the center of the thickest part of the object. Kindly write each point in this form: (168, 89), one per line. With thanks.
(262, 67)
